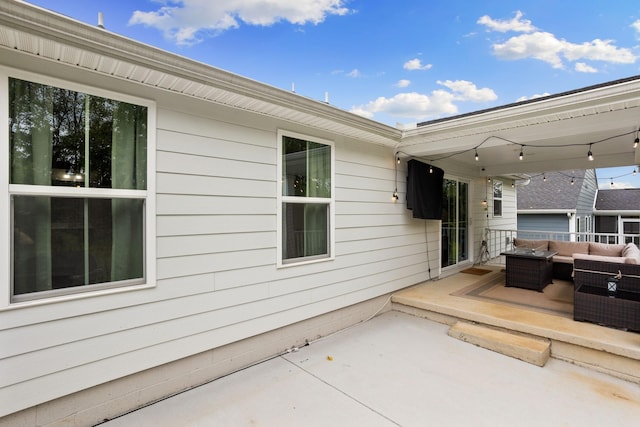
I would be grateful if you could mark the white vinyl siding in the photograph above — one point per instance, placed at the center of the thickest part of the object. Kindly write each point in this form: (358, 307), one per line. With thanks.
(217, 275)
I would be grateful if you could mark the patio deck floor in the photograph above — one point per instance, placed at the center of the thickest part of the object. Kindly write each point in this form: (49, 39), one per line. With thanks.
(612, 350)
(402, 370)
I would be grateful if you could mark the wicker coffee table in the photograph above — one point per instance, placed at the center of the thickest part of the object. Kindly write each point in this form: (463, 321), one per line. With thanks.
(529, 269)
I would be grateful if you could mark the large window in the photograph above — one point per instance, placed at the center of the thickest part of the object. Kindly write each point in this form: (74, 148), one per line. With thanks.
(78, 181)
(305, 199)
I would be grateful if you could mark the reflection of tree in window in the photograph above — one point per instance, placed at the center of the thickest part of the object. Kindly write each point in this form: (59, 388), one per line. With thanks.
(60, 137)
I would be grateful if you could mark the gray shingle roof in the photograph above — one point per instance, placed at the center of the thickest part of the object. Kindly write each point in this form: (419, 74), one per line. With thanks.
(618, 200)
(554, 193)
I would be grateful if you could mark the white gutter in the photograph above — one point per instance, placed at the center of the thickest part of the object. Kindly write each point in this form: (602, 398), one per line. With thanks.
(633, 212)
(546, 211)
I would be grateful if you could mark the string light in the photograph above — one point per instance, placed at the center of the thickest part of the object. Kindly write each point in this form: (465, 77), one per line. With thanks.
(546, 147)
(521, 154)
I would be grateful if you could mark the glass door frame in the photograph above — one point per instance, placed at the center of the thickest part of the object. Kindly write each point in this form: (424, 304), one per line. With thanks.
(462, 237)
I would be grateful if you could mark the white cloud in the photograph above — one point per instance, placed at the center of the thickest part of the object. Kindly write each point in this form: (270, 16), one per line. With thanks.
(419, 106)
(581, 67)
(466, 91)
(537, 95)
(546, 47)
(410, 105)
(515, 24)
(636, 26)
(403, 83)
(542, 46)
(187, 21)
(598, 50)
(415, 64)
(355, 73)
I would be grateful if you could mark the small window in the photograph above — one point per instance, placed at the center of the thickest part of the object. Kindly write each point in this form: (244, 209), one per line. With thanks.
(497, 198)
(306, 199)
(78, 177)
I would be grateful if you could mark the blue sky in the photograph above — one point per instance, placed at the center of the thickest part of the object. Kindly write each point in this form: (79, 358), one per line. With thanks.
(396, 62)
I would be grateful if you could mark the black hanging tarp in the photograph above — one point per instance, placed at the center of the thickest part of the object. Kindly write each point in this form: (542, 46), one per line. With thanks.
(424, 190)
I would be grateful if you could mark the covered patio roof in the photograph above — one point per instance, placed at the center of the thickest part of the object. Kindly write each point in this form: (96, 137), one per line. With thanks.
(554, 133)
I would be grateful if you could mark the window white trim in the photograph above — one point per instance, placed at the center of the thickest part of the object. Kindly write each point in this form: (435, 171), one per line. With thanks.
(6, 190)
(5, 201)
(280, 262)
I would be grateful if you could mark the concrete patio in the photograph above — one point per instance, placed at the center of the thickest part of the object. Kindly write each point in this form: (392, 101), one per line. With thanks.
(401, 369)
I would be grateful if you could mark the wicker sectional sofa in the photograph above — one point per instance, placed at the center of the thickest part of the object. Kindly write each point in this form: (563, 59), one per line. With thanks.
(606, 279)
(568, 252)
(594, 302)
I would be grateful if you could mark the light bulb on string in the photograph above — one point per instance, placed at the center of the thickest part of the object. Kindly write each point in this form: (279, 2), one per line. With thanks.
(590, 154)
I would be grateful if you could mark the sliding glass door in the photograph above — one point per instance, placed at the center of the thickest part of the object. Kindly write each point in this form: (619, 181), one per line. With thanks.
(455, 222)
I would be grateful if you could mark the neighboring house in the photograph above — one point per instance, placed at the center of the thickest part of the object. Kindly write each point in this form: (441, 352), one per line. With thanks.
(557, 202)
(164, 223)
(617, 211)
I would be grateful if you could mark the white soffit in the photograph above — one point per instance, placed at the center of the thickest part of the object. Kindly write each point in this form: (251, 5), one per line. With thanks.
(34, 31)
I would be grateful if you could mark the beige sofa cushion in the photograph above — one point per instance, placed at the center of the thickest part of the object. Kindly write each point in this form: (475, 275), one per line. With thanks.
(631, 253)
(540, 245)
(605, 249)
(563, 259)
(565, 248)
(604, 258)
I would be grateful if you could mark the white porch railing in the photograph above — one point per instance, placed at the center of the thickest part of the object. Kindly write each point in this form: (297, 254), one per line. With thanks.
(496, 241)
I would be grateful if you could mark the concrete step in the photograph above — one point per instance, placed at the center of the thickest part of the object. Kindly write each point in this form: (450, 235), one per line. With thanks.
(529, 349)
